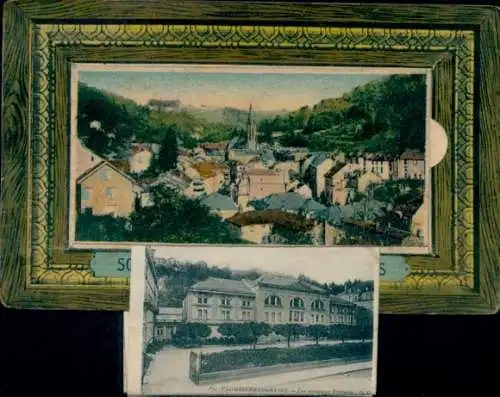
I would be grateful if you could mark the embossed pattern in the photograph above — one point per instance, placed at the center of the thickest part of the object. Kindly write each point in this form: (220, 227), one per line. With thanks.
(47, 37)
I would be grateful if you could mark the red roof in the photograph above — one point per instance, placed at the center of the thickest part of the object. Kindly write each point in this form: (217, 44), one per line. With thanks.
(215, 145)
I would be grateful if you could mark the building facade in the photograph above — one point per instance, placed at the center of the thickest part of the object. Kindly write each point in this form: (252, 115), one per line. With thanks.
(272, 298)
(166, 322)
(411, 165)
(106, 190)
(151, 294)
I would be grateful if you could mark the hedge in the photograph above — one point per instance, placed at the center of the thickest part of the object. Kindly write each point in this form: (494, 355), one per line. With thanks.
(238, 359)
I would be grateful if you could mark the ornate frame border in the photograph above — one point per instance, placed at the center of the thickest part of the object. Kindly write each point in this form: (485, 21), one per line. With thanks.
(448, 279)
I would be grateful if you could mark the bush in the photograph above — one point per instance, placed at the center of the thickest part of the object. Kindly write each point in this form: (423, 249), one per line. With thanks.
(237, 359)
(155, 347)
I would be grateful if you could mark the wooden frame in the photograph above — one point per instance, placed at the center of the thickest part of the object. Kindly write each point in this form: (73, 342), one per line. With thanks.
(42, 38)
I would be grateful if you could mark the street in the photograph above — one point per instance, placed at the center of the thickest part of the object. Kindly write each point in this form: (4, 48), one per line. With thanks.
(169, 373)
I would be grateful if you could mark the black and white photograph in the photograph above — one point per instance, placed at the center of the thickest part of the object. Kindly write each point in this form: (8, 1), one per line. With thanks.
(237, 320)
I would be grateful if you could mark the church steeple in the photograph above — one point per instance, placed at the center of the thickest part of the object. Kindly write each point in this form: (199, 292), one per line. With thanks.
(251, 131)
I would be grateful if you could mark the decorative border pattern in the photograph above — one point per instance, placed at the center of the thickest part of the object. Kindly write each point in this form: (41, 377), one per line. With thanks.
(46, 37)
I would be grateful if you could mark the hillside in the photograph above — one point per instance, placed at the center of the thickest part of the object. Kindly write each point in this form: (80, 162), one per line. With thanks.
(384, 116)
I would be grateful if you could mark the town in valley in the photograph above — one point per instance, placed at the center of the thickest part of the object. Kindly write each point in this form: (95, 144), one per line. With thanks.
(347, 170)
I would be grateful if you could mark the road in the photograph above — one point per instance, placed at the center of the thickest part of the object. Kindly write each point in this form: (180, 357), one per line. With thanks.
(168, 372)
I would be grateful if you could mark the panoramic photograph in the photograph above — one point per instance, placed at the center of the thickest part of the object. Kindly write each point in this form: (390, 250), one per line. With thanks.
(239, 320)
(257, 155)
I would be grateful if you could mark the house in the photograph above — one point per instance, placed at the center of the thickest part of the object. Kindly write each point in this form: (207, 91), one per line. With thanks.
(336, 182)
(105, 190)
(214, 175)
(166, 322)
(381, 165)
(220, 204)
(287, 169)
(272, 298)
(366, 179)
(258, 183)
(411, 165)
(151, 295)
(319, 167)
(215, 150)
(140, 158)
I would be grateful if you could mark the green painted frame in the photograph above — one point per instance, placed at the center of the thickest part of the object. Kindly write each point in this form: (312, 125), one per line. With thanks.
(42, 39)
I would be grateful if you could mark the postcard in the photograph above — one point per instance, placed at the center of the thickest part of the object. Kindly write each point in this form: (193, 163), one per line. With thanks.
(249, 320)
(250, 155)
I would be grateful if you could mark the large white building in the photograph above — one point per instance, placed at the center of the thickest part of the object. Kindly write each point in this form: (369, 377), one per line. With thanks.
(272, 298)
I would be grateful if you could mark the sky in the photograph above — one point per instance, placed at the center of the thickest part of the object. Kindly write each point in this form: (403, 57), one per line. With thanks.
(268, 88)
(337, 264)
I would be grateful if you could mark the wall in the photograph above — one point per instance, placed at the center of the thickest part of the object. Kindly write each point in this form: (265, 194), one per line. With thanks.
(255, 233)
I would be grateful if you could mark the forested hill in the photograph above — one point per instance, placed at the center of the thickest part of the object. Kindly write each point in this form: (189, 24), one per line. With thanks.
(123, 120)
(385, 116)
(177, 276)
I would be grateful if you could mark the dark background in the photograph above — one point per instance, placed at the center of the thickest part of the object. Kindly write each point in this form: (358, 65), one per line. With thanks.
(80, 353)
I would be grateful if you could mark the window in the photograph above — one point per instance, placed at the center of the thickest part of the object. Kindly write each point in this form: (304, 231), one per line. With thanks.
(205, 314)
(244, 315)
(297, 303)
(273, 317)
(110, 192)
(86, 193)
(104, 175)
(296, 316)
(200, 314)
(226, 314)
(246, 303)
(322, 318)
(318, 305)
(273, 300)
(225, 301)
(266, 314)
(202, 300)
(159, 331)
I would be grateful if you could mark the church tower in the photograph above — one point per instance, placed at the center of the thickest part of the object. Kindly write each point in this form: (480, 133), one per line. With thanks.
(251, 132)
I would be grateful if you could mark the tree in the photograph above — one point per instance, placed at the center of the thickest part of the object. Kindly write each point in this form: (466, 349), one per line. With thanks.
(169, 151)
(100, 228)
(317, 331)
(289, 331)
(174, 218)
(188, 332)
(257, 330)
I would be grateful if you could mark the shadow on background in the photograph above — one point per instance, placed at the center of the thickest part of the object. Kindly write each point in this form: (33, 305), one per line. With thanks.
(81, 353)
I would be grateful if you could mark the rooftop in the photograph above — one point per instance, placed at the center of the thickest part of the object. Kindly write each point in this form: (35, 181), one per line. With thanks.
(285, 219)
(412, 155)
(336, 168)
(261, 171)
(219, 201)
(222, 285)
(208, 169)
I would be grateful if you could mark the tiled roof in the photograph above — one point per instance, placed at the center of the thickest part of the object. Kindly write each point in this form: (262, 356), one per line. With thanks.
(208, 170)
(101, 165)
(339, 301)
(412, 155)
(215, 146)
(336, 168)
(285, 219)
(219, 201)
(260, 171)
(285, 281)
(312, 205)
(289, 201)
(222, 285)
